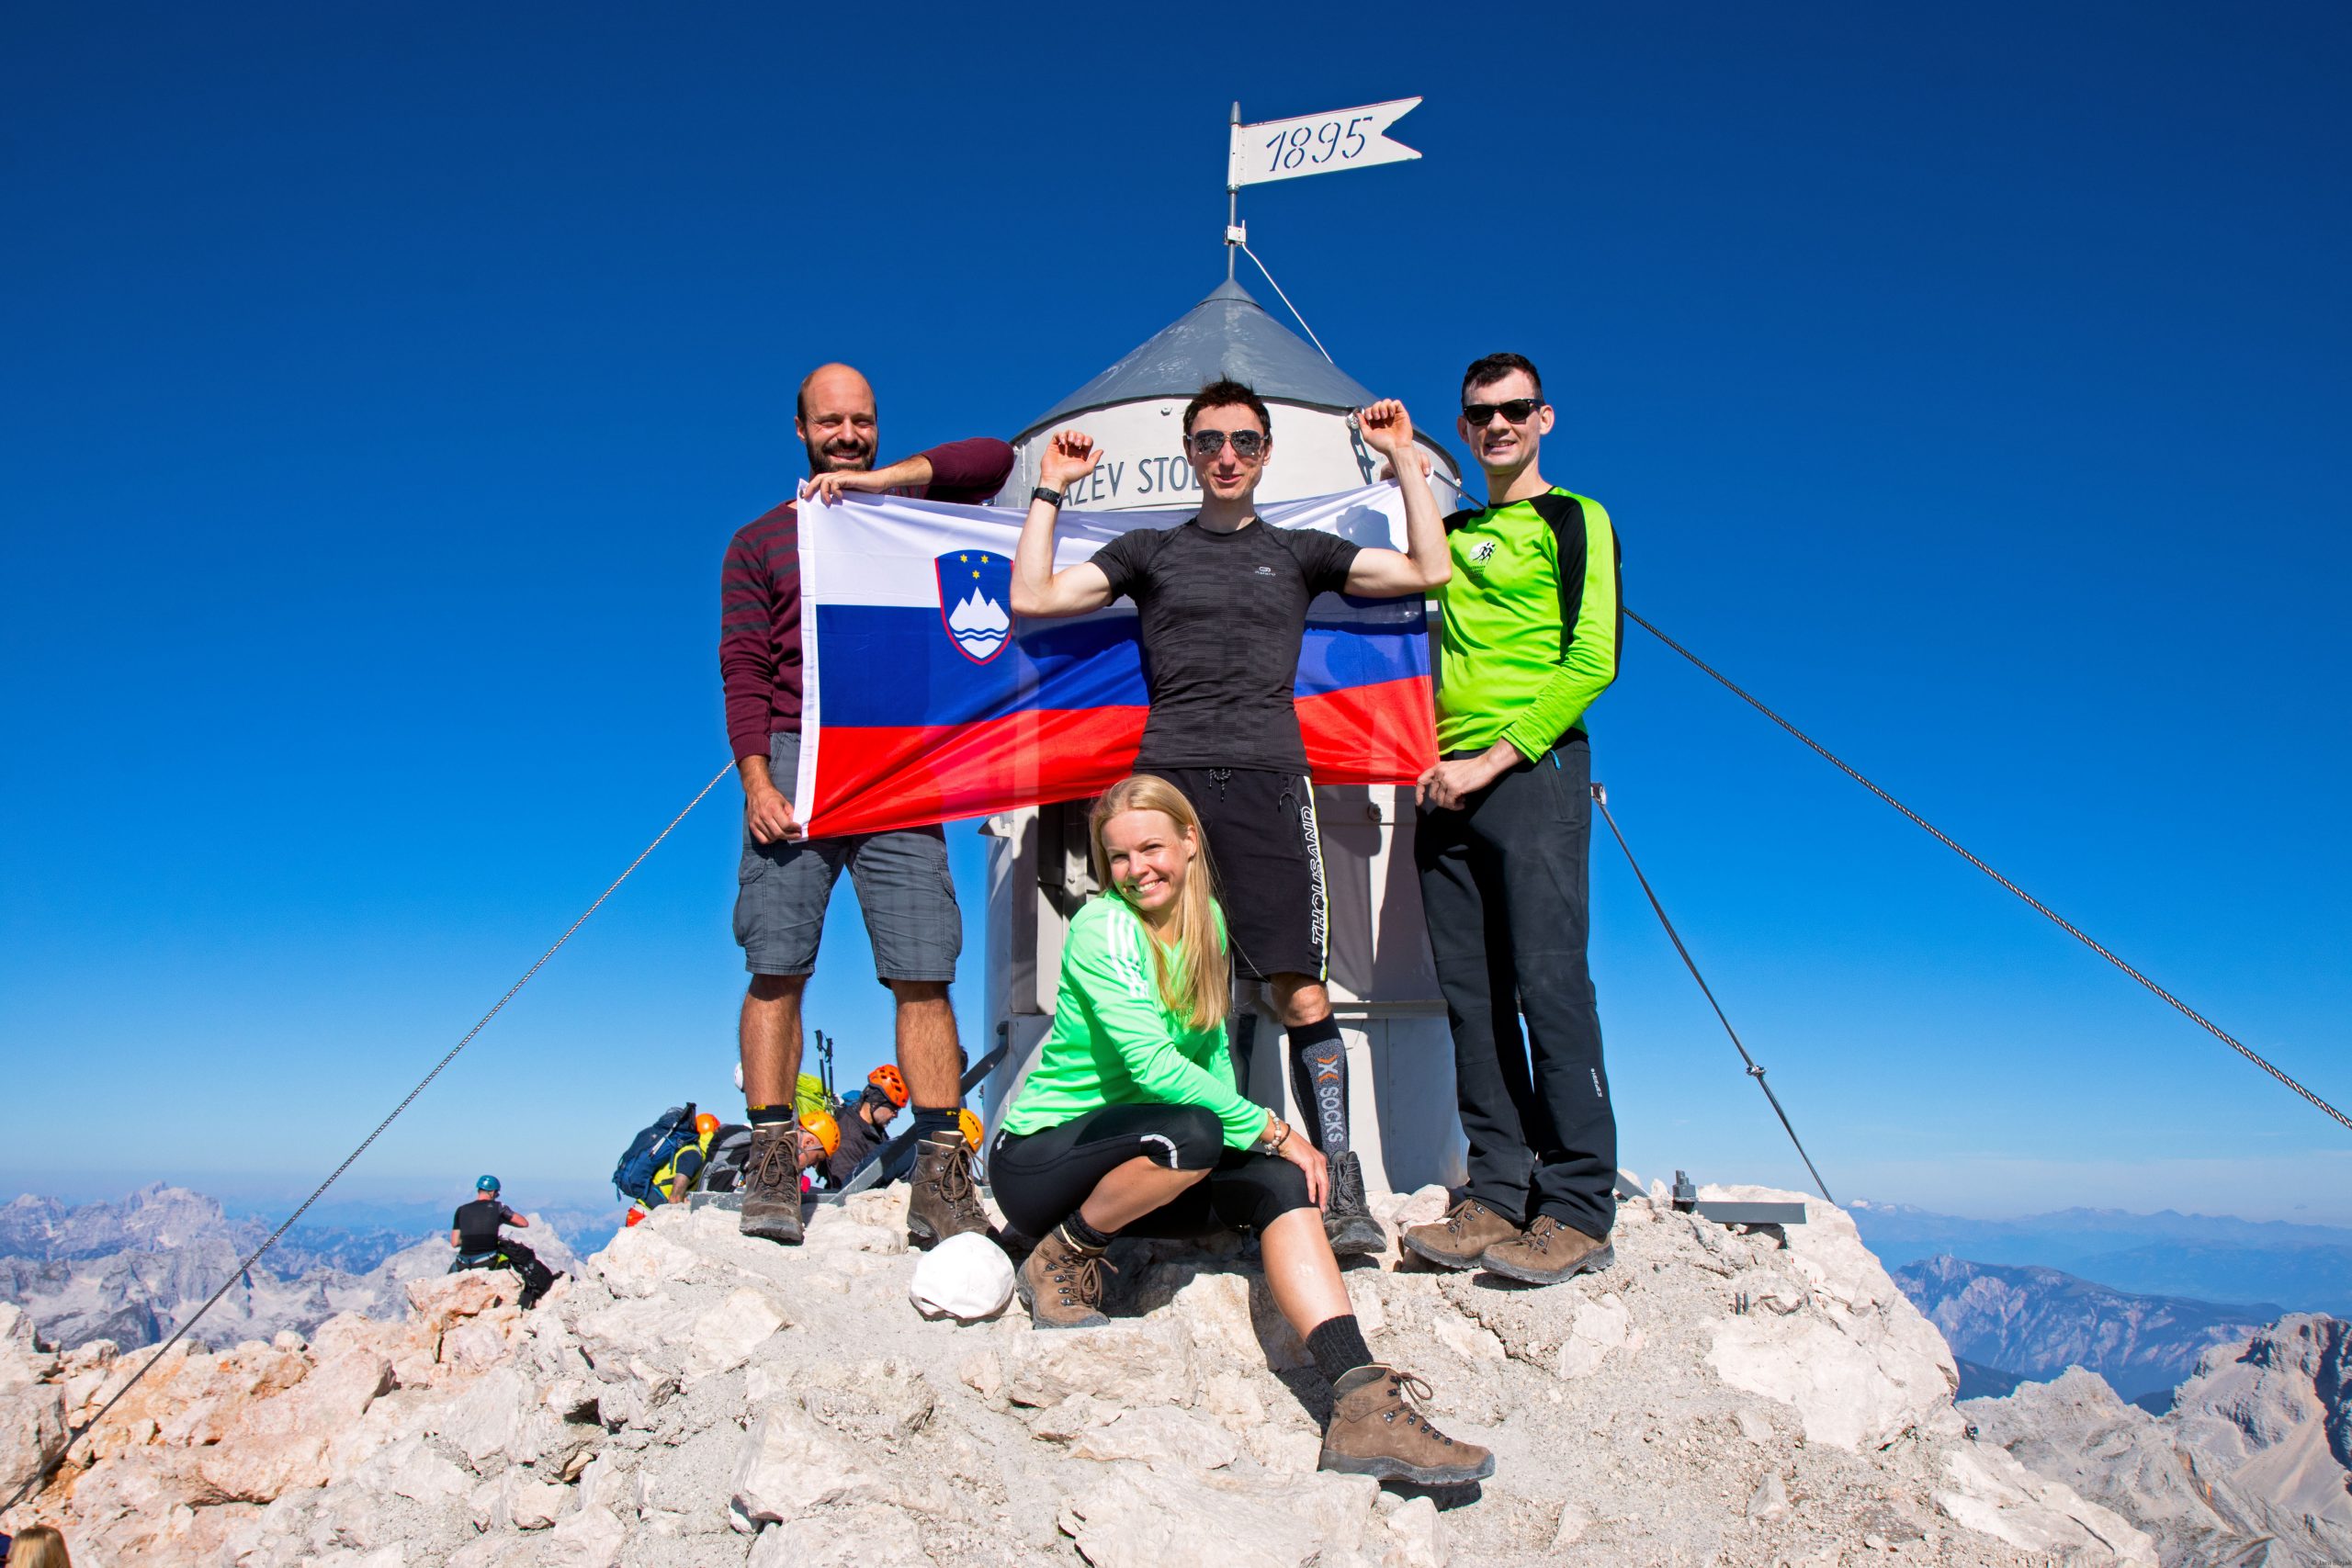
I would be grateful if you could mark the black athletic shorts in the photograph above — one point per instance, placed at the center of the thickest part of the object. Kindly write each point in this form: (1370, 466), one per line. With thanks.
(1268, 856)
(1040, 1178)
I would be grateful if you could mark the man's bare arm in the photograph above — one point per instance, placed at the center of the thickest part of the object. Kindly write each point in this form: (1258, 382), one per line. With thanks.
(1424, 563)
(907, 473)
(1039, 591)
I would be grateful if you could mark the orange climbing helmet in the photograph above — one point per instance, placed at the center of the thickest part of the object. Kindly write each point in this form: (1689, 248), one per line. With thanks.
(827, 1132)
(706, 1124)
(888, 1079)
(971, 1127)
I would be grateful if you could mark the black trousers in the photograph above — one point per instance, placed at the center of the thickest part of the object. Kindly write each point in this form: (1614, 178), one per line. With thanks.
(1040, 1178)
(1503, 884)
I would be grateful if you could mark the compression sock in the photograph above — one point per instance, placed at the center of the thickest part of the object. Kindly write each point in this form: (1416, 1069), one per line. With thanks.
(1319, 1074)
(768, 1115)
(1083, 1236)
(926, 1122)
(1337, 1348)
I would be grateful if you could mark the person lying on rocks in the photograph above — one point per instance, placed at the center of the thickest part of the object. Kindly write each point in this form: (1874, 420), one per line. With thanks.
(1129, 1123)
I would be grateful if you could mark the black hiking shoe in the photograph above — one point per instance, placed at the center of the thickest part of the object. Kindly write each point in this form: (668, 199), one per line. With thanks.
(1348, 1223)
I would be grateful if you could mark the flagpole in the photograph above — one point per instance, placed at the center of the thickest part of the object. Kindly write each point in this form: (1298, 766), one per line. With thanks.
(1232, 196)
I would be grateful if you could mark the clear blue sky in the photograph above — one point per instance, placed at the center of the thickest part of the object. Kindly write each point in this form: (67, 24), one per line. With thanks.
(383, 385)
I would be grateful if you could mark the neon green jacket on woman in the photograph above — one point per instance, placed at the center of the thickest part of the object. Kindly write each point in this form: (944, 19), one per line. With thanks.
(1115, 1043)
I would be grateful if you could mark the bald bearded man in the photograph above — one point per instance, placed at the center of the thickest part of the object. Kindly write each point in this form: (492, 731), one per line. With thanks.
(785, 878)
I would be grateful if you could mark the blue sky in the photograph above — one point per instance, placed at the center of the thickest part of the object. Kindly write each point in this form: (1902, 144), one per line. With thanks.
(382, 388)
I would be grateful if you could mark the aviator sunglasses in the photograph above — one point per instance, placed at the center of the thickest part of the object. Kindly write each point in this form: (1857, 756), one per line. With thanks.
(1516, 412)
(1248, 445)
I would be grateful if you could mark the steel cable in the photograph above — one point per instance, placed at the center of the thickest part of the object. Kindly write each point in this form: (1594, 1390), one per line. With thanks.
(2216, 1030)
(49, 1466)
(1755, 1069)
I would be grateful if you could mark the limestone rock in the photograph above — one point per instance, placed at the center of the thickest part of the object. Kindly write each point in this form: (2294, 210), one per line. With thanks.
(641, 1260)
(441, 1300)
(696, 1397)
(1598, 1327)
(885, 1401)
(790, 1465)
(1149, 1363)
(1230, 1317)
(2252, 1463)
(32, 1424)
(1160, 1437)
(861, 1537)
(1993, 1493)
(1134, 1518)
(723, 1338)
(591, 1538)
(1415, 1537)
(280, 1443)
(1849, 1392)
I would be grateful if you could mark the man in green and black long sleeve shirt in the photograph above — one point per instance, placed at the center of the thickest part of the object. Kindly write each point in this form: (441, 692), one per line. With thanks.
(1530, 633)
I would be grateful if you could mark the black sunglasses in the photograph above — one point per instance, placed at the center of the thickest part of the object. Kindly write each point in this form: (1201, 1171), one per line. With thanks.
(1519, 410)
(1207, 444)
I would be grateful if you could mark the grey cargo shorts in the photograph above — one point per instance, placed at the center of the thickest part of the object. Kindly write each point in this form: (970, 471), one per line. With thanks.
(904, 890)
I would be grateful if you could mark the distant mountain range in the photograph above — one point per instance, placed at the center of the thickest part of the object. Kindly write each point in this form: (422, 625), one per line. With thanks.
(2208, 1258)
(2009, 1324)
(131, 1271)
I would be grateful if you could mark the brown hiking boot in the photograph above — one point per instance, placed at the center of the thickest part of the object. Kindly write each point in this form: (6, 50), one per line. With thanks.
(772, 1183)
(1348, 1223)
(1460, 1239)
(1549, 1253)
(1375, 1430)
(941, 1201)
(1061, 1285)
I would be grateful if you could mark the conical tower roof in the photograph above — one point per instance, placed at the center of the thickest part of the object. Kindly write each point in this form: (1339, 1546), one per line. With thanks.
(1228, 333)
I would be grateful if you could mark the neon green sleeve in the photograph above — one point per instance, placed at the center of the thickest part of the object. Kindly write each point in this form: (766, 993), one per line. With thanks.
(1591, 628)
(1108, 968)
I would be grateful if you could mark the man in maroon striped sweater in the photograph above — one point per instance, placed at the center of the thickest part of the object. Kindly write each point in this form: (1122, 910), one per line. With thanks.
(786, 878)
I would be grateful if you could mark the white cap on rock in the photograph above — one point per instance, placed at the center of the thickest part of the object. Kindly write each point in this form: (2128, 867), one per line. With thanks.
(966, 1277)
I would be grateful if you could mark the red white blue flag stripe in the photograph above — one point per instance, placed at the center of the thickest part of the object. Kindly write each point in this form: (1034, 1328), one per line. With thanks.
(924, 699)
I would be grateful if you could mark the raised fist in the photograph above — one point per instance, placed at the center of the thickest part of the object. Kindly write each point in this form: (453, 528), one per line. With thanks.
(1069, 457)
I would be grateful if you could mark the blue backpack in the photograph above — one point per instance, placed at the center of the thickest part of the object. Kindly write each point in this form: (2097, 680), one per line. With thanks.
(652, 1149)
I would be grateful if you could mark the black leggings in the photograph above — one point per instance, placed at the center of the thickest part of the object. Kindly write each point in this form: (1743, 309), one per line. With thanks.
(1040, 1178)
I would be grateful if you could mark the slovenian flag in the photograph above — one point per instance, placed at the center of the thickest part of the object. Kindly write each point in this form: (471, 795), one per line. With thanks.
(923, 700)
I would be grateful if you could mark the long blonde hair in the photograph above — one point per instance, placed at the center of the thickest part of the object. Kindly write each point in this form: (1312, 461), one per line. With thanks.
(39, 1547)
(1198, 987)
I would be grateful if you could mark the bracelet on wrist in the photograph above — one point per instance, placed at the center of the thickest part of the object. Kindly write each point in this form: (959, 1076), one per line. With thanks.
(1050, 497)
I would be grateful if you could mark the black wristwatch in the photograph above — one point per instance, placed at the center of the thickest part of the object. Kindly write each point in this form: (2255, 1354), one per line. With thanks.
(1050, 497)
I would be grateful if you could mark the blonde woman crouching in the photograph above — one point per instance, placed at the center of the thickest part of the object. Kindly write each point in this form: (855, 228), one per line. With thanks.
(1129, 1123)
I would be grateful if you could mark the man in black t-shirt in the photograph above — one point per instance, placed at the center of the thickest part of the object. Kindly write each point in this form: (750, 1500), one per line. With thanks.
(1221, 601)
(473, 1232)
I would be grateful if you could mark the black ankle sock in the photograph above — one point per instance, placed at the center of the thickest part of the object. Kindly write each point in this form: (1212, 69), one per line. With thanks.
(1337, 1348)
(1084, 1235)
(1318, 1075)
(769, 1115)
(926, 1122)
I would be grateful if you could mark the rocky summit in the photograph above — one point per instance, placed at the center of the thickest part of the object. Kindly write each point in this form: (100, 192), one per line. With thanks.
(696, 1398)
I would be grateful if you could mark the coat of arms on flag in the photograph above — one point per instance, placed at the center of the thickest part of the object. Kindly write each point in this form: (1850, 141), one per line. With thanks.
(975, 589)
